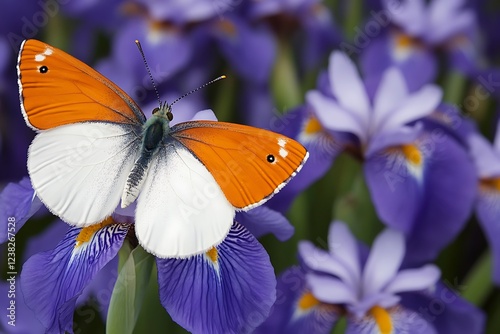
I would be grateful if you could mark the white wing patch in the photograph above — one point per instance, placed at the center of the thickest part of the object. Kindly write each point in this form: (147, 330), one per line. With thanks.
(79, 170)
(282, 143)
(41, 56)
(181, 210)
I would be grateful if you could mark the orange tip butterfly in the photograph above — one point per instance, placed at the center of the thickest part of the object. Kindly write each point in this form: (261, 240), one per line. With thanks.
(95, 149)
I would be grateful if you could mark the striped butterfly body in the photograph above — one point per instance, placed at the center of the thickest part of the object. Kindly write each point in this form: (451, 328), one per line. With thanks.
(95, 151)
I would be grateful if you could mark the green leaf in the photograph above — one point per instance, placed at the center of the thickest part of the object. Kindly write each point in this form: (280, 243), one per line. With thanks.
(478, 284)
(356, 209)
(135, 267)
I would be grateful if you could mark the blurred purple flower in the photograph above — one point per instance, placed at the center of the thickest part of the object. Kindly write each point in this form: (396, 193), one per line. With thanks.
(318, 33)
(410, 167)
(375, 295)
(416, 34)
(487, 160)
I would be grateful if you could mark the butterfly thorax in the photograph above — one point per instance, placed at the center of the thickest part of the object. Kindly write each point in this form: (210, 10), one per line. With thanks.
(154, 131)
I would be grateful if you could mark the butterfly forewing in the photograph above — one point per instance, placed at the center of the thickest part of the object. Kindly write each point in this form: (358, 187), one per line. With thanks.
(57, 89)
(249, 164)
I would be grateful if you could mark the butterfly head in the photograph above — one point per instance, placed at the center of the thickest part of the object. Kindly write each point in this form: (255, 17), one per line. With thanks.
(164, 111)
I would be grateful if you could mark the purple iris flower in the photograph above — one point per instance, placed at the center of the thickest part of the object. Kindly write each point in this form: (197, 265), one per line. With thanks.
(373, 292)
(230, 288)
(320, 34)
(411, 33)
(487, 160)
(410, 166)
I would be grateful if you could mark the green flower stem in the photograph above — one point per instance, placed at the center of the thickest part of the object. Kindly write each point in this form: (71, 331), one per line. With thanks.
(353, 17)
(284, 81)
(129, 291)
(340, 326)
(454, 84)
(478, 285)
(225, 98)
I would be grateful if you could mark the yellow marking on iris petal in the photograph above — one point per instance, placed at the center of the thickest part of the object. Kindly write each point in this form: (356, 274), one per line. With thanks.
(412, 154)
(404, 41)
(312, 126)
(383, 319)
(227, 27)
(307, 301)
(87, 232)
(212, 254)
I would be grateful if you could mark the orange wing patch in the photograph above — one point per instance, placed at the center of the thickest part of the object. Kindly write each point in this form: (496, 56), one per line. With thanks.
(249, 164)
(56, 89)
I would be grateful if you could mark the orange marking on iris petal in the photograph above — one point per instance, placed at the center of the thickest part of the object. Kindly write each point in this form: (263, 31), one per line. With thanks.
(227, 28)
(87, 232)
(212, 254)
(312, 126)
(412, 154)
(491, 184)
(383, 319)
(308, 301)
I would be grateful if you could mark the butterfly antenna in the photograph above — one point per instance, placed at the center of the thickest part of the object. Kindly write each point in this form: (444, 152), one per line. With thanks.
(139, 46)
(197, 89)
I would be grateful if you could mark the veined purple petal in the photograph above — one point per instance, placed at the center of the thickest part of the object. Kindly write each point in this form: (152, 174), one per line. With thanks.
(348, 87)
(344, 247)
(386, 255)
(447, 203)
(332, 116)
(325, 263)
(496, 142)
(53, 280)
(446, 311)
(391, 94)
(402, 321)
(395, 185)
(417, 105)
(488, 214)
(414, 279)
(18, 203)
(263, 220)
(230, 289)
(330, 290)
(296, 310)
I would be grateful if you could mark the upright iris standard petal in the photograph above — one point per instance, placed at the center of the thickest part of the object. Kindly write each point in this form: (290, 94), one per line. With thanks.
(229, 289)
(18, 203)
(296, 310)
(384, 261)
(53, 280)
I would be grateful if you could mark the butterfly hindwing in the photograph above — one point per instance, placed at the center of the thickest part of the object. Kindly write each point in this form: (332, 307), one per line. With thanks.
(249, 164)
(181, 210)
(57, 89)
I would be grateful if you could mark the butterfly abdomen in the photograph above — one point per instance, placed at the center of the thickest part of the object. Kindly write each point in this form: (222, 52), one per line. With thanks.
(154, 131)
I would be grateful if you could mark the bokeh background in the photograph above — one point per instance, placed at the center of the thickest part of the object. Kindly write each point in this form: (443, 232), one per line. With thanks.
(273, 52)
